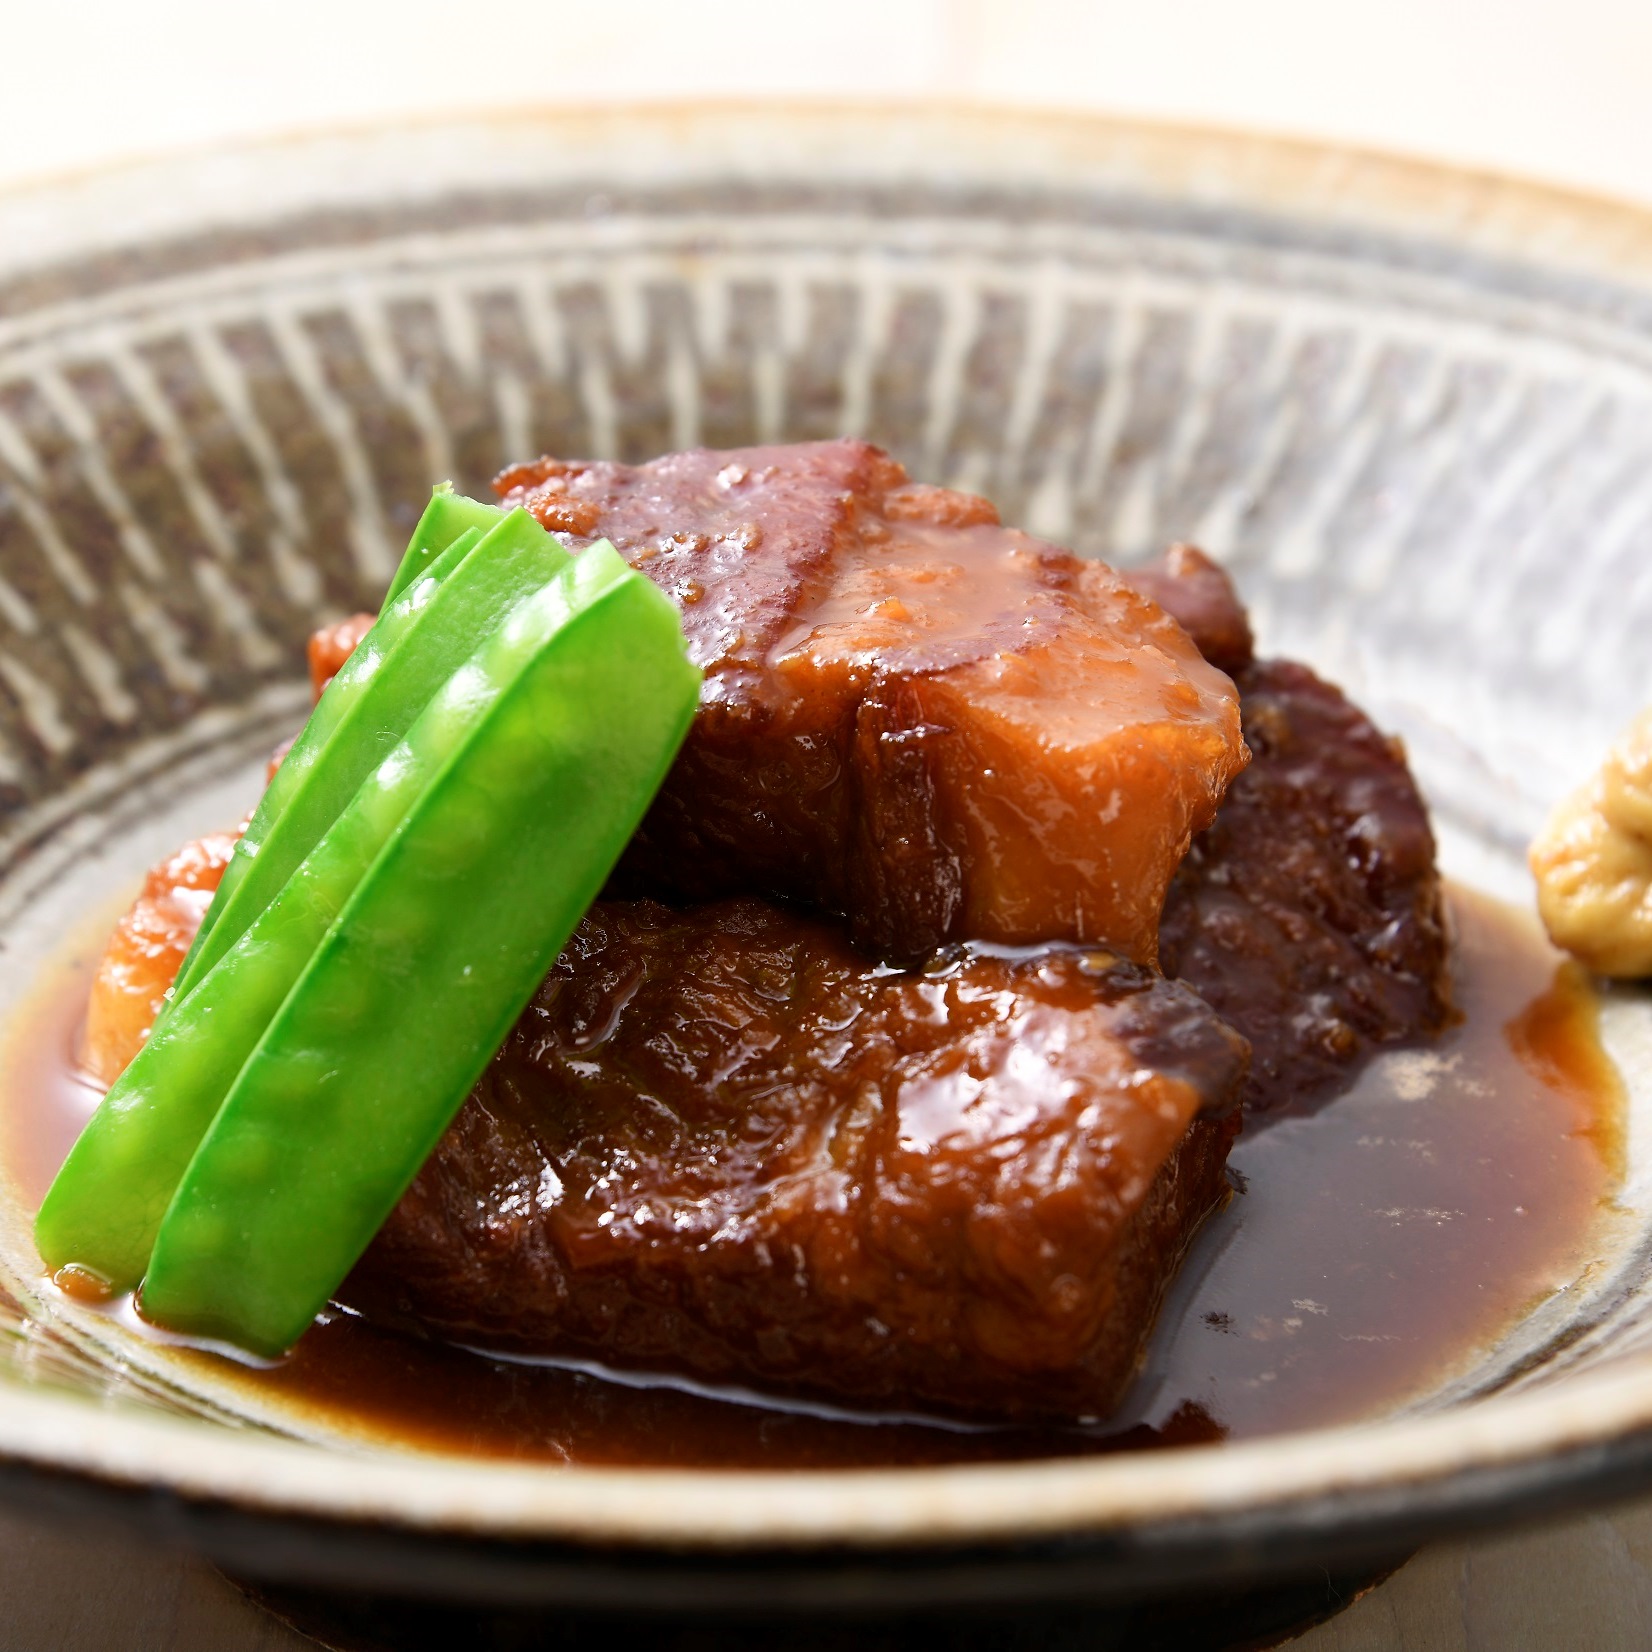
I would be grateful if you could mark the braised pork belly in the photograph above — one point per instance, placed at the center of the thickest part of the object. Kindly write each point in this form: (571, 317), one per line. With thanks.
(722, 1142)
(901, 1062)
(936, 726)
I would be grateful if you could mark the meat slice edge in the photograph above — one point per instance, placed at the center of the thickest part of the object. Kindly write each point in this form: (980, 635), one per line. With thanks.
(1198, 594)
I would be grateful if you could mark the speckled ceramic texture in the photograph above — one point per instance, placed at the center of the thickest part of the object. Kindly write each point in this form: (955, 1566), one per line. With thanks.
(1411, 411)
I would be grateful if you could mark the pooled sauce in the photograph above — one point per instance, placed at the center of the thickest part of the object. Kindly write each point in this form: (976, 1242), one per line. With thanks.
(1374, 1247)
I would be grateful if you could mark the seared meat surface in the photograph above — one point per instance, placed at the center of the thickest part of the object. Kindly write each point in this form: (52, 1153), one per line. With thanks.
(721, 1141)
(1310, 916)
(934, 725)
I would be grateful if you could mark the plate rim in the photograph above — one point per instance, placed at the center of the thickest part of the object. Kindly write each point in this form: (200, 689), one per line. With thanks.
(1357, 186)
(1550, 1440)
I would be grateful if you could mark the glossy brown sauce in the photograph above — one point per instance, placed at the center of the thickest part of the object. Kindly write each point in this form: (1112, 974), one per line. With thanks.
(934, 725)
(926, 599)
(1374, 1248)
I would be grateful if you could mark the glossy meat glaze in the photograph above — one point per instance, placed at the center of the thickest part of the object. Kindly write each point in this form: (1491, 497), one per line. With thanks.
(721, 1141)
(1310, 914)
(939, 727)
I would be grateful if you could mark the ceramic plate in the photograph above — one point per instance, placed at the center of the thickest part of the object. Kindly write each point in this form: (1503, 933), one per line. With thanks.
(1410, 409)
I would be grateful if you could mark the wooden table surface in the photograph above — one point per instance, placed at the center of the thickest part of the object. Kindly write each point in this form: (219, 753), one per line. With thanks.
(1585, 1583)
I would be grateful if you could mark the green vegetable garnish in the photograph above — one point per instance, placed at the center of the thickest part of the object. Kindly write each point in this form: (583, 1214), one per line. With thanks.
(422, 638)
(433, 957)
(446, 517)
(105, 1206)
(455, 802)
(351, 683)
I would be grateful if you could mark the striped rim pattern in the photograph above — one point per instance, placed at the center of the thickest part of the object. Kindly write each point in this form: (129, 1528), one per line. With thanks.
(1405, 448)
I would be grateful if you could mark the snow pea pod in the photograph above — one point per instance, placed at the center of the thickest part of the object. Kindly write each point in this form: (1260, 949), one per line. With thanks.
(105, 1207)
(431, 961)
(334, 706)
(423, 638)
(448, 515)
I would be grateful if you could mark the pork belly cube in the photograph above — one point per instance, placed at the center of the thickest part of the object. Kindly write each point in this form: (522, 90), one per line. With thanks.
(1311, 915)
(721, 1143)
(1197, 593)
(146, 951)
(937, 726)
